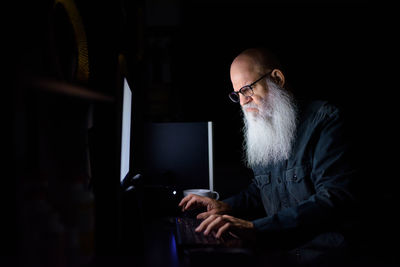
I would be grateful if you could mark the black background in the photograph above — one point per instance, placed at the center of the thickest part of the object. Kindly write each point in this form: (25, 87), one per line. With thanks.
(179, 54)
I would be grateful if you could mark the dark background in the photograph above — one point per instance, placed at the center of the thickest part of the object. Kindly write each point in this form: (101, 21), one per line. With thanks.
(178, 57)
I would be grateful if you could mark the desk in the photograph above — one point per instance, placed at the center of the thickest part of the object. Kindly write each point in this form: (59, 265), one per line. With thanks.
(161, 250)
(151, 243)
(155, 246)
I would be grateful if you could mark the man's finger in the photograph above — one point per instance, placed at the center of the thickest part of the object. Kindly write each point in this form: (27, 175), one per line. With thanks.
(214, 224)
(223, 229)
(190, 203)
(183, 201)
(204, 224)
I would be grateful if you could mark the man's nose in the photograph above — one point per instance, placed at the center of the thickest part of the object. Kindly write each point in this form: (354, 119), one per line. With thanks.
(244, 99)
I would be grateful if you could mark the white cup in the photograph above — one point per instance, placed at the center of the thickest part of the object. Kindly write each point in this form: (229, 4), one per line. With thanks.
(202, 192)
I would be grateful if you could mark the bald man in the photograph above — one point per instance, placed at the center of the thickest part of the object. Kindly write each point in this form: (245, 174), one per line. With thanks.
(301, 195)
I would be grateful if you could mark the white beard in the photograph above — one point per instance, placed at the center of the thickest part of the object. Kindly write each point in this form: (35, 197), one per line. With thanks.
(269, 134)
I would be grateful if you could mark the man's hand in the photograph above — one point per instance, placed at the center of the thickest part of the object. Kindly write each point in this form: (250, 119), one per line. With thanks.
(213, 206)
(221, 224)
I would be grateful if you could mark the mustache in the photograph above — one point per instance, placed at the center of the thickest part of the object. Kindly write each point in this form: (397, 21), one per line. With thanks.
(249, 105)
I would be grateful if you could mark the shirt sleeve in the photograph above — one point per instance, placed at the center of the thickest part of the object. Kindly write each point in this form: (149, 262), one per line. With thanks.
(247, 203)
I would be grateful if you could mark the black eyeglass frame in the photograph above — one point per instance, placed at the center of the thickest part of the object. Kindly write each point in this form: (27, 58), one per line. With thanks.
(235, 94)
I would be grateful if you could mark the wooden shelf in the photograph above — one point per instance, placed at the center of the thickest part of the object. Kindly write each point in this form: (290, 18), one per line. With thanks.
(72, 90)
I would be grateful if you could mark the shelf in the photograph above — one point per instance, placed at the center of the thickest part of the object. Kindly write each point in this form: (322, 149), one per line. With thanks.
(72, 90)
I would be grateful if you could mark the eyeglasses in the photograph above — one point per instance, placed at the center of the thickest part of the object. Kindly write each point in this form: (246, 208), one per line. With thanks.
(246, 90)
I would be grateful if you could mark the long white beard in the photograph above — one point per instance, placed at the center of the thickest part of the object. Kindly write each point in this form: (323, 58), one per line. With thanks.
(269, 134)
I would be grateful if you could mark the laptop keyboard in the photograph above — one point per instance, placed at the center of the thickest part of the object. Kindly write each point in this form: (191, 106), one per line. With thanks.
(186, 234)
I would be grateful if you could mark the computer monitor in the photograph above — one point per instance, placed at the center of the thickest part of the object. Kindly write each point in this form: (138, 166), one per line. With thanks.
(179, 154)
(131, 238)
(126, 130)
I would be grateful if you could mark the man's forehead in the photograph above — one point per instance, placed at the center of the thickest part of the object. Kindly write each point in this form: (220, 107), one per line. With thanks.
(243, 76)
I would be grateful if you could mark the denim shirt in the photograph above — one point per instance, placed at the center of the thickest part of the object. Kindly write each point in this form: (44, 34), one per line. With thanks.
(310, 190)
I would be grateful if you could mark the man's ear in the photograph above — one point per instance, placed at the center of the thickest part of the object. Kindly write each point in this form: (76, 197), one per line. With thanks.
(278, 77)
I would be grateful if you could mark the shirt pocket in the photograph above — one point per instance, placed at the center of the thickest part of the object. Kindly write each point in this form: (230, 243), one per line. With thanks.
(264, 184)
(263, 180)
(298, 183)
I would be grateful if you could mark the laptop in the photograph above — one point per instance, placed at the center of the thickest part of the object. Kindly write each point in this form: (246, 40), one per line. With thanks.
(196, 249)
(187, 237)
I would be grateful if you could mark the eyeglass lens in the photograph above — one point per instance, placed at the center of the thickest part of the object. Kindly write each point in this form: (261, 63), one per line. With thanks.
(246, 91)
(234, 96)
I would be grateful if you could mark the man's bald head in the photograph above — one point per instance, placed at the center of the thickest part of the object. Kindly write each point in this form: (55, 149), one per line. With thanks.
(256, 60)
